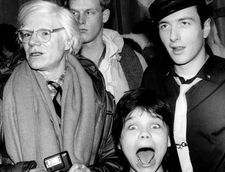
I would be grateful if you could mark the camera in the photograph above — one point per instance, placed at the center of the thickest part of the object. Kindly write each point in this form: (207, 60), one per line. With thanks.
(58, 162)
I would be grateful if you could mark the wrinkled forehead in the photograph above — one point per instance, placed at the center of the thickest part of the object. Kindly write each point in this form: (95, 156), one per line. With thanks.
(38, 20)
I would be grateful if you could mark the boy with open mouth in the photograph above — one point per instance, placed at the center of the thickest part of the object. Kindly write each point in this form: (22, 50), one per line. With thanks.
(141, 131)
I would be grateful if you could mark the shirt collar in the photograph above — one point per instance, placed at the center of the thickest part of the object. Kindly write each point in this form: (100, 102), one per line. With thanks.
(60, 80)
(207, 72)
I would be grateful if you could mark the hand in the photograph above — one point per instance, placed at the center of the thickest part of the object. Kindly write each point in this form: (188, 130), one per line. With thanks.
(79, 168)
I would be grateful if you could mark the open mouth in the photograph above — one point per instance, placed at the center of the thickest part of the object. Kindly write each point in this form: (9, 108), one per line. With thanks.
(178, 49)
(36, 54)
(145, 156)
(83, 30)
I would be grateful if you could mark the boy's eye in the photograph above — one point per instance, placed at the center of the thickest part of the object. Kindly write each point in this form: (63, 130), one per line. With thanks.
(155, 126)
(132, 127)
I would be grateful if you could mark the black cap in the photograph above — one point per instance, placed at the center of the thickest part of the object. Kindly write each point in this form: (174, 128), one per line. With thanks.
(162, 8)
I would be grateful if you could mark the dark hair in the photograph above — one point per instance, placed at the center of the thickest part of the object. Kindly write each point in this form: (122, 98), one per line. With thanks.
(105, 4)
(138, 98)
(204, 11)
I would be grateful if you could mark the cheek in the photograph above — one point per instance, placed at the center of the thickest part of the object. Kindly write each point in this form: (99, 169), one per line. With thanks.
(26, 49)
(96, 24)
(161, 141)
(57, 46)
(127, 140)
(192, 36)
(164, 38)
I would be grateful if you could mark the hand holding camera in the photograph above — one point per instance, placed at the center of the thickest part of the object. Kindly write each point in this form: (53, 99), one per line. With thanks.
(58, 162)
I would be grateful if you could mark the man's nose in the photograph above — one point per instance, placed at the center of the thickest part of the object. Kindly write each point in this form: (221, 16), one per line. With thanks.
(174, 34)
(82, 19)
(34, 39)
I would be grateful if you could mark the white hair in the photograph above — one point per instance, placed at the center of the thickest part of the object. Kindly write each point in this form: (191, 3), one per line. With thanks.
(64, 17)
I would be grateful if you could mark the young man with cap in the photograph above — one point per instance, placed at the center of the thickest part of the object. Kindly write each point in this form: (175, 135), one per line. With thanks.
(198, 99)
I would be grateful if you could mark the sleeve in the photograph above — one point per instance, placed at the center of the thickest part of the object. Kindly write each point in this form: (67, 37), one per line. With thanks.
(6, 164)
(146, 79)
(24, 166)
(107, 159)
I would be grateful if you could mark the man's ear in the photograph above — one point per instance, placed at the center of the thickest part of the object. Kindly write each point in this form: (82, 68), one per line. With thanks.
(206, 28)
(106, 14)
(68, 44)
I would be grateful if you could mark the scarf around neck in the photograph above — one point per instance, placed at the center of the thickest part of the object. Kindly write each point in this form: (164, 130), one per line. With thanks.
(30, 123)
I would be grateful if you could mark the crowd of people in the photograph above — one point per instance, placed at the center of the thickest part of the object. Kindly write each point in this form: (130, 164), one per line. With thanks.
(79, 97)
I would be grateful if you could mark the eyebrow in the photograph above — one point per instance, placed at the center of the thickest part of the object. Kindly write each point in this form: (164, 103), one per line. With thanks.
(187, 18)
(180, 19)
(84, 9)
(127, 119)
(156, 116)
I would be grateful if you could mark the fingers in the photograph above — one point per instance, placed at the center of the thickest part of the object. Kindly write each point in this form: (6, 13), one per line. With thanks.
(79, 168)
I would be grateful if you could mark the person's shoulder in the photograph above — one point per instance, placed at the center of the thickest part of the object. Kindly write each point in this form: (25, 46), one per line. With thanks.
(103, 96)
(217, 63)
(215, 68)
(157, 66)
(92, 70)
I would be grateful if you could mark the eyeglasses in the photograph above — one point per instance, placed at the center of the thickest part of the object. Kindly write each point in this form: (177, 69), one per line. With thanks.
(44, 35)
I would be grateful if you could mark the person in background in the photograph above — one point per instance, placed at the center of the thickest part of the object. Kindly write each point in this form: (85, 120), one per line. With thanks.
(141, 131)
(214, 41)
(11, 54)
(142, 32)
(8, 48)
(193, 84)
(54, 102)
(120, 65)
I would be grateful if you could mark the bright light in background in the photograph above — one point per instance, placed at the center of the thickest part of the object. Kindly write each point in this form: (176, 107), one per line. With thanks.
(145, 3)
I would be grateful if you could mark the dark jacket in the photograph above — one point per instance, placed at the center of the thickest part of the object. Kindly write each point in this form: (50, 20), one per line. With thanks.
(205, 115)
(106, 159)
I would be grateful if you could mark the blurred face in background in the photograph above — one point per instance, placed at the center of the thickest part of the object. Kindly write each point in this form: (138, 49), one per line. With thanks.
(90, 17)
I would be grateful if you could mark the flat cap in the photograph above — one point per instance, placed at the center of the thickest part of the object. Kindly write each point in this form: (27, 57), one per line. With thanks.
(162, 8)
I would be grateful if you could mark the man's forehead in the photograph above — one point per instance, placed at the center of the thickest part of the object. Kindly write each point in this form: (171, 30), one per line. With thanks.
(43, 18)
(84, 4)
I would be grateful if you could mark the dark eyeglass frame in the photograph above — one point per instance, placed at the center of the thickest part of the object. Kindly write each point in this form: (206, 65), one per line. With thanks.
(21, 33)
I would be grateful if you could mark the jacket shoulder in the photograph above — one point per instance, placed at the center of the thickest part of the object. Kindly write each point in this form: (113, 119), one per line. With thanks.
(104, 97)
